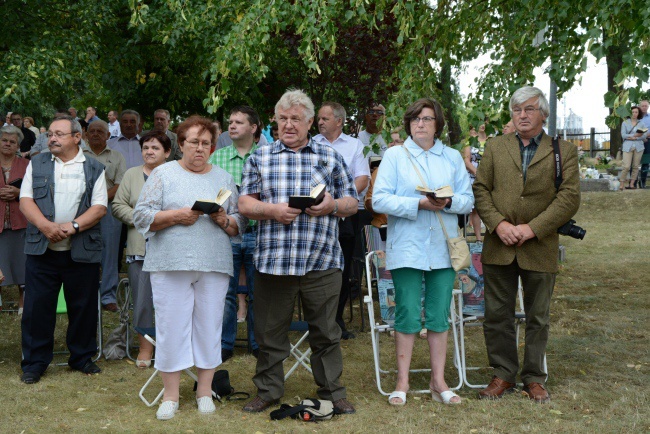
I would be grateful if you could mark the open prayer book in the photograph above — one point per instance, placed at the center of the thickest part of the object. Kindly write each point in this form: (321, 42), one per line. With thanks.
(302, 202)
(210, 206)
(439, 193)
(641, 130)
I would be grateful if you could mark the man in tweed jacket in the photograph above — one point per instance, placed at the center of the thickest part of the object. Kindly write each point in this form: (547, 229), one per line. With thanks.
(517, 200)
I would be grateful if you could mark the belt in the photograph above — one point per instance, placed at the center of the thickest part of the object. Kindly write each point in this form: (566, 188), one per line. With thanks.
(250, 229)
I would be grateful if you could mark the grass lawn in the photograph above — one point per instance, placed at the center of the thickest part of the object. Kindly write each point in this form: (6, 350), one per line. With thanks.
(598, 357)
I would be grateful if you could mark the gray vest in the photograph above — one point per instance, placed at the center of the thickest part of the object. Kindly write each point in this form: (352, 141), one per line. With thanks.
(86, 246)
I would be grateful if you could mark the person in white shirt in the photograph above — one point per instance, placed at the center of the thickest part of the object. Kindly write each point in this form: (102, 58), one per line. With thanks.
(113, 124)
(331, 118)
(63, 196)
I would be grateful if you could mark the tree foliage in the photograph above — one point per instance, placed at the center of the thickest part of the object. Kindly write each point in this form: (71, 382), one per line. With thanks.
(203, 56)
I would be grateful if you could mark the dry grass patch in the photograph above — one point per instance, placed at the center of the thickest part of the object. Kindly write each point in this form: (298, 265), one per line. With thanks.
(597, 354)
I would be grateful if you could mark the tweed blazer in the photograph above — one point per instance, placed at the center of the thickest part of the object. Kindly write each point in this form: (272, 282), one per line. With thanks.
(501, 194)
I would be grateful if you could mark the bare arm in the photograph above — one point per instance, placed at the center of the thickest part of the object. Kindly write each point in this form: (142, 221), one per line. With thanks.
(171, 217)
(111, 192)
(252, 207)
(467, 157)
(361, 182)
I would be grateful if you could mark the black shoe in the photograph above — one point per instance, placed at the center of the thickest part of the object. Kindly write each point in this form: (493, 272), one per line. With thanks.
(89, 368)
(256, 353)
(347, 335)
(226, 354)
(30, 377)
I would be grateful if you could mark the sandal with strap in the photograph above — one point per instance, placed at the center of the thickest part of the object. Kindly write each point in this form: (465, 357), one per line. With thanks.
(397, 394)
(445, 397)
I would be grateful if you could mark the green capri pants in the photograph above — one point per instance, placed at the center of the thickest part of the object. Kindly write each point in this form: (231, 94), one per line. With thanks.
(438, 287)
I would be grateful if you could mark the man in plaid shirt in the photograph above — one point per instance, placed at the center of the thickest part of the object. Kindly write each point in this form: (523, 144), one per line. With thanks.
(244, 125)
(297, 253)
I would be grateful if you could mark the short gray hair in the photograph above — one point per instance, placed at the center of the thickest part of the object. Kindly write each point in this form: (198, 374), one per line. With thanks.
(337, 109)
(75, 126)
(131, 112)
(294, 97)
(169, 116)
(525, 93)
(11, 130)
(101, 123)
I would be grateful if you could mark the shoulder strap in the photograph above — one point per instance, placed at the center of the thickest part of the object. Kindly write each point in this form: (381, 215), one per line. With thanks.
(286, 410)
(424, 184)
(558, 163)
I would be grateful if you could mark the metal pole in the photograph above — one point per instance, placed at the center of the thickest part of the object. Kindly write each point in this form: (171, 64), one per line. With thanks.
(592, 141)
(552, 122)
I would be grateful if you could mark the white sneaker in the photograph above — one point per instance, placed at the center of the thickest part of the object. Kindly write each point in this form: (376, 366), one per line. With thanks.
(167, 410)
(205, 404)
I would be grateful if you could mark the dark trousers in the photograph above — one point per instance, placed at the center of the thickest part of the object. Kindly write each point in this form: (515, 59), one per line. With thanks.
(347, 245)
(44, 276)
(501, 283)
(275, 298)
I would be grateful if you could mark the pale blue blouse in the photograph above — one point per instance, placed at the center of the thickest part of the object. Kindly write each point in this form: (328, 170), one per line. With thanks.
(415, 238)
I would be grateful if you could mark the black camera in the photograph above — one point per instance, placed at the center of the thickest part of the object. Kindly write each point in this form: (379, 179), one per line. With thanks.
(569, 228)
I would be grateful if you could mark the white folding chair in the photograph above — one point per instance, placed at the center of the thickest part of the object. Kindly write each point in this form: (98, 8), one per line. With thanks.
(376, 272)
(298, 352)
(472, 315)
(149, 334)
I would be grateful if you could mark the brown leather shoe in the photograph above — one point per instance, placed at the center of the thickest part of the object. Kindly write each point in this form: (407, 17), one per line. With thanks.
(343, 406)
(537, 392)
(496, 389)
(258, 404)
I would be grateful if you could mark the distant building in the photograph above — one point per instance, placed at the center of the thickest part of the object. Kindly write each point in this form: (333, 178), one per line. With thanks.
(571, 123)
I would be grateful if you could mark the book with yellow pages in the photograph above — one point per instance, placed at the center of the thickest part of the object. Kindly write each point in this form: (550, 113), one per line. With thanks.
(302, 202)
(439, 193)
(211, 206)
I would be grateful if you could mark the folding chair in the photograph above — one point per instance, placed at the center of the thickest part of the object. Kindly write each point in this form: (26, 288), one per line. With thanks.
(301, 355)
(376, 270)
(150, 334)
(471, 308)
(125, 304)
(62, 308)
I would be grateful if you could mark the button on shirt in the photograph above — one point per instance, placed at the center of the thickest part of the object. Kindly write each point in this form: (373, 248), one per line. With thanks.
(129, 148)
(276, 172)
(69, 187)
(114, 163)
(352, 151)
(528, 152)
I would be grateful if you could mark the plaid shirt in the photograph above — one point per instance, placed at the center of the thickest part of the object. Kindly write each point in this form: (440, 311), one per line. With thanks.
(528, 152)
(229, 160)
(276, 172)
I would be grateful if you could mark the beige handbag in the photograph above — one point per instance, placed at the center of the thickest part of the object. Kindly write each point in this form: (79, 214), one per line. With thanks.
(458, 248)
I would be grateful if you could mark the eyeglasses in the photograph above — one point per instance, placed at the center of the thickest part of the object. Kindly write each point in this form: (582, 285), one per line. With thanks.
(58, 134)
(284, 120)
(375, 112)
(425, 119)
(529, 110)
(194, 144)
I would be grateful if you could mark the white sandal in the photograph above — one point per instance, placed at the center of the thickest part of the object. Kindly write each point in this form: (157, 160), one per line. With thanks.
(399, 395)
(205, 404)
(445, 397)
(167, 410)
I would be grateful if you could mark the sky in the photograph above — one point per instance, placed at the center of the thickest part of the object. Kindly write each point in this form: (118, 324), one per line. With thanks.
(585, 98)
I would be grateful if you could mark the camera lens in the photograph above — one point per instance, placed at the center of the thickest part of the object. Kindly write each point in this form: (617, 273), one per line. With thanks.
(577, 232)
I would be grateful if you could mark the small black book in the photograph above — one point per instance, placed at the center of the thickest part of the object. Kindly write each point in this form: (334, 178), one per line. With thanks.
(303, 202)
(211, 206)
(16, 182)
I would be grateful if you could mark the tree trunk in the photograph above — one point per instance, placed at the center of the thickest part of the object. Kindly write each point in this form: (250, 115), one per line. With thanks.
(447, 102)
(614, 64)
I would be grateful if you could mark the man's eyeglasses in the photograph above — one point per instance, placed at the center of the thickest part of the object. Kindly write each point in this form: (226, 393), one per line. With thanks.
(58, 134)
(425, 119)
(376, 112)
(529, 110)
(194, 144)
(294, 120)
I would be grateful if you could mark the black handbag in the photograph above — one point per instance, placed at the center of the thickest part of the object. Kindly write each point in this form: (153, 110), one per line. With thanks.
(221, 387)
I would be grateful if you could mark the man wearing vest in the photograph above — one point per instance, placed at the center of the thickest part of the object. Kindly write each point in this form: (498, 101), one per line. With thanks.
(63, 197)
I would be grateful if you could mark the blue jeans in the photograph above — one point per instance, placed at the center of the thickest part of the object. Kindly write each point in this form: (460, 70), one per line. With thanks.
(241, 254)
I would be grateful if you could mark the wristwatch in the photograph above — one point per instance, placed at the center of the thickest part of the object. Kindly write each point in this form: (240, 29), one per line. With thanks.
(75, 225)
(336, 207)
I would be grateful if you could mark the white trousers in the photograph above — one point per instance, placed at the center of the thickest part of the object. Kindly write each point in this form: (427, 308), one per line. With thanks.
(189, 315)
